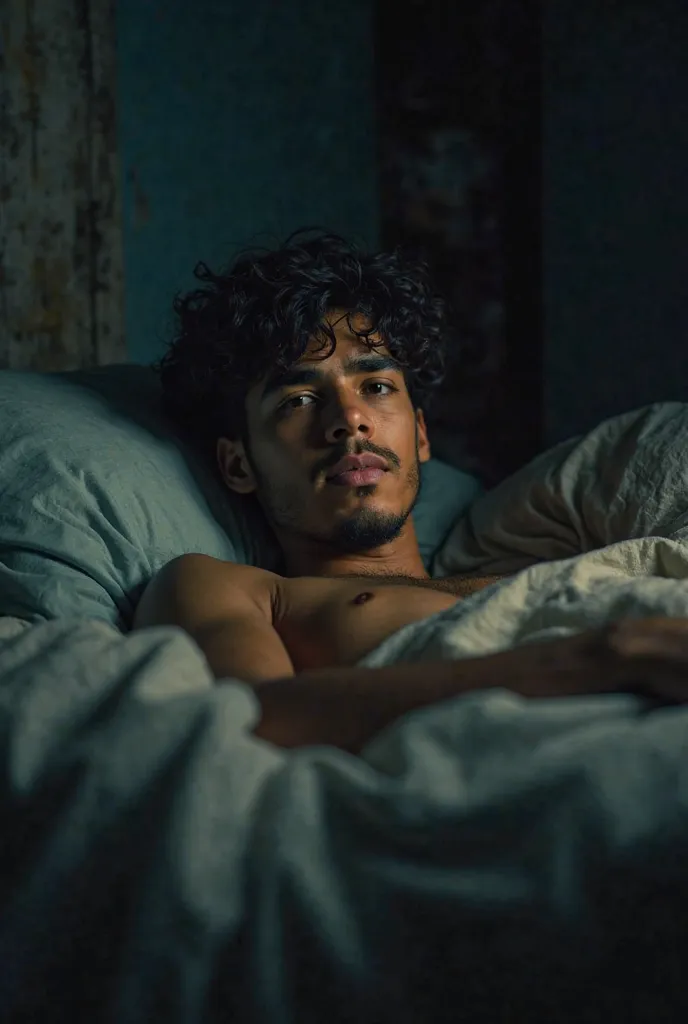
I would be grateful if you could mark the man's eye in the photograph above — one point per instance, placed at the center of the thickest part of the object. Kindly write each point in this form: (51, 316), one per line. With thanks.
(297, 402)
(373, 385)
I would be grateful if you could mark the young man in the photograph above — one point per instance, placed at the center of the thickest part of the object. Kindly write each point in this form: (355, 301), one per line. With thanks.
(306, 370)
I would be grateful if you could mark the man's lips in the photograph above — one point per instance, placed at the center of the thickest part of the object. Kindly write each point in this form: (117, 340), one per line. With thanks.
(357, 477)
(357, 470)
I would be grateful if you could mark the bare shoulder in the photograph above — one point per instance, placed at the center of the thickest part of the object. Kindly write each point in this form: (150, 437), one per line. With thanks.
(195, 589)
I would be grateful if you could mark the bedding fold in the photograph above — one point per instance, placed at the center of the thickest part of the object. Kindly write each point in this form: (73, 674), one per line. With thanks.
(490, 858)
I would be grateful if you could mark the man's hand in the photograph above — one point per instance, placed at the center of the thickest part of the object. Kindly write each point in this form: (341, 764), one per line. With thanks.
(646, 656)
(654, 651)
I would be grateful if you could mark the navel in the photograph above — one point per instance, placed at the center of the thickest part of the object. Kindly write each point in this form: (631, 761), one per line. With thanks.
(362, 598)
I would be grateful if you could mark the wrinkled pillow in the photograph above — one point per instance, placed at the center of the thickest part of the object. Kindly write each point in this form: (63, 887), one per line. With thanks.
(627, 478)
(98, 490)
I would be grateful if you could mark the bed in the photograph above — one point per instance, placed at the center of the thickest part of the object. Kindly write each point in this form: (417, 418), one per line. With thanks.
(486, 859)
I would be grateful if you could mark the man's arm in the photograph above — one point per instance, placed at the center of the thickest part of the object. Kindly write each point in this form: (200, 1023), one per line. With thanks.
(346, 707)
(226, 608)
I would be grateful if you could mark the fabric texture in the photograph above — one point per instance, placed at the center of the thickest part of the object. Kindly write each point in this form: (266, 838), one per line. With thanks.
(487, 858)
(631, 579)
(626, 478)
(98, 491)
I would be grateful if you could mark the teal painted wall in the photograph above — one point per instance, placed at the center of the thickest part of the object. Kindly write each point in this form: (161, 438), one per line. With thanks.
(615, 208)
(238, 122)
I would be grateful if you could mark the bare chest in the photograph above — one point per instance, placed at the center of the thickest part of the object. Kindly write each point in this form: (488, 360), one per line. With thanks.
(325, 622)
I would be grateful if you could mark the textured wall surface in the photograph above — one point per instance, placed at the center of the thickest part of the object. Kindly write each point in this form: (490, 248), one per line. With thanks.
(61, 302)
(238, 122)
(615, 135)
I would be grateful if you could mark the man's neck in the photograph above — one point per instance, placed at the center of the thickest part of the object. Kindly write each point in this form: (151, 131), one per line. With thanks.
(400, 558)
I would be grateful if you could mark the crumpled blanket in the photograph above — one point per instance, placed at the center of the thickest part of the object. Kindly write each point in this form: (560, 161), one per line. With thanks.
(487, 859)
(627, 478)
(631, 579)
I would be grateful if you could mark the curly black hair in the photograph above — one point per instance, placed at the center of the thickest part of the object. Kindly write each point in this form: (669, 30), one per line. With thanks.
(262, 313)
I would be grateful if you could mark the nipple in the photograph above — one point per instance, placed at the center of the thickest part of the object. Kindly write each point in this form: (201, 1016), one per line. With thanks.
(362, 598)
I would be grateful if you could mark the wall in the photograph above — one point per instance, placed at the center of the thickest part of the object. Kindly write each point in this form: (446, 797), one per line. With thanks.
(61, 287)
(236, 119)
(615, 134)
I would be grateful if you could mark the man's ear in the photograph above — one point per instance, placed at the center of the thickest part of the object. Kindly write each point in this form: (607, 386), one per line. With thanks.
(422, 442)
(234, 466)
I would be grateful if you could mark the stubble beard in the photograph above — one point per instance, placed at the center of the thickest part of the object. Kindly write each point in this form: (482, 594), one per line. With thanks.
(365, 529)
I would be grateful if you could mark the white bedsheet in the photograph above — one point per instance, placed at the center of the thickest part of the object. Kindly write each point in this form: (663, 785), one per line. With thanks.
(487, 859)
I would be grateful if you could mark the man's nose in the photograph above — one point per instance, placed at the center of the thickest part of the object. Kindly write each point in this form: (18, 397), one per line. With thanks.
(347, 419)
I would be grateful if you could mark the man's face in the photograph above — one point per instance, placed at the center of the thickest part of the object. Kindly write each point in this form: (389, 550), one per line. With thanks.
(350, 405)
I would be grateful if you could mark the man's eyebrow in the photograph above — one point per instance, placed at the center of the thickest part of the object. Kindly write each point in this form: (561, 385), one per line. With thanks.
(292, 377)
(370, 364)
(298, 375)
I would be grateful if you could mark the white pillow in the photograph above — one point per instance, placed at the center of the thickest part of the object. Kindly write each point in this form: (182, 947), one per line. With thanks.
(626, 478)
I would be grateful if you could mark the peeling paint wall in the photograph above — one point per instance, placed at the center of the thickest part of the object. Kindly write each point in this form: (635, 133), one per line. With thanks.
(239, 121)
(61, 290)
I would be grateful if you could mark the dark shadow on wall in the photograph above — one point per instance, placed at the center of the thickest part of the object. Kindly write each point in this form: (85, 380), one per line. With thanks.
(615, 208)
(458, 101)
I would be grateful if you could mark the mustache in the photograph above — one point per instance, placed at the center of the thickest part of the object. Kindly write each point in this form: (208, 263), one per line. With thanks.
(373, 449)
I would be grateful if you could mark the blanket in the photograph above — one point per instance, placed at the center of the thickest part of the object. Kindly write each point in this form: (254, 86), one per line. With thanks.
(487, 859)
(630, 579)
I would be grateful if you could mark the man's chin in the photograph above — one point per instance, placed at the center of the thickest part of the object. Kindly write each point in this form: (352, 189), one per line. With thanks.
(366, 530)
